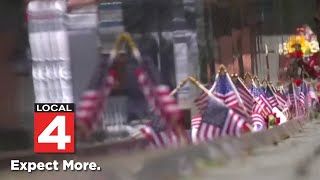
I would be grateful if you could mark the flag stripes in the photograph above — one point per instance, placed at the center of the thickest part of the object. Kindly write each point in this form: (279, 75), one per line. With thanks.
(90, 107)
(166, 128)
(247, 99)
(232, 127)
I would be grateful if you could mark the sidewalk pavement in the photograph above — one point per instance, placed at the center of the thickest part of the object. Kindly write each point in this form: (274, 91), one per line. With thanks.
(286, 161)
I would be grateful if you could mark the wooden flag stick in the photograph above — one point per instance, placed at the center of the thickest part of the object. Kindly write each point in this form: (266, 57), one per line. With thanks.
(182, 83)
(255, 78)
(272, 87)
(199, 85)
(243, 84)
(123, 38)
(264, 82)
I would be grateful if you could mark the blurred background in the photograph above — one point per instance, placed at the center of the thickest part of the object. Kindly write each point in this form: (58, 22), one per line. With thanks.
(235, 33)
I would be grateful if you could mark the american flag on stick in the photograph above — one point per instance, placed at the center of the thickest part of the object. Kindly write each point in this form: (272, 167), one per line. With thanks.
(282, 100)
(312, 96)
(271, 97)
(245, 95)
(261, 110)
(158, 133)
(303, 93)
(283, 103)
(218, 120)
(258, 120)
(264, 105)
(201, 102)
(196, 121)
(293, 93)
(225, 90)
(257, 109)
(89, 109)
(166, 128)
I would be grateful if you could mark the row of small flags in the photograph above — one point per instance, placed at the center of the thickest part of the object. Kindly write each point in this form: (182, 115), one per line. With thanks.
(246, 105)
(230, 107)
(233, 107)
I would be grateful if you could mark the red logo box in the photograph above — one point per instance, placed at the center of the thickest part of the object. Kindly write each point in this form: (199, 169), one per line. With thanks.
(54, 128)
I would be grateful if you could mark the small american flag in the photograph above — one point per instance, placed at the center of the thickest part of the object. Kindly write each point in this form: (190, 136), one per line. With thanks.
(311, 96)
(158, 133)
(302, 94)
(283, 103)
(226, 92)
(91, 104)
(258, 121)
(218, 120)
(267, 106)
(264, 105)
(282, 100)
(245, 95)
(147, 87)
(195, 124)
(293, 94)
(271, 97)
(312, 93)
(255, 91)
(166, 127)
(196, 121)
(201, 101)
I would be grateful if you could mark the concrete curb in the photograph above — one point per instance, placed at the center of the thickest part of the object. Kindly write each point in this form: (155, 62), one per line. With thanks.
(168, 164)
(185, 162)
(100, 149)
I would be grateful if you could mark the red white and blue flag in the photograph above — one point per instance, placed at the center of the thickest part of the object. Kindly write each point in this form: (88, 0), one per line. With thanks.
(225, 91)
(271, 97)
(218, 120)
(311, 95)
(201, 101)
(258, 120)
(89, 109)
(302, 95)
(282, 100)
(165, 128)
(263, 106)
(245, 95)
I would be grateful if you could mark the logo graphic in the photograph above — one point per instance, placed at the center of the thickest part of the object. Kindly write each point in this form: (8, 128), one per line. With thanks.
(53, 128)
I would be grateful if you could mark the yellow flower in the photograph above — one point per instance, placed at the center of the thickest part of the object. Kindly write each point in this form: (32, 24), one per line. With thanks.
(290, 45)
(298, 40)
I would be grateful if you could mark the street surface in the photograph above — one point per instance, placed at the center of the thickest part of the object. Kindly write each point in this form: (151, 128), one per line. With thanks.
(292, 159)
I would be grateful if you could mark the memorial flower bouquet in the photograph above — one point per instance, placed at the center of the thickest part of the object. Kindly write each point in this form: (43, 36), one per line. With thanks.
(302, 50)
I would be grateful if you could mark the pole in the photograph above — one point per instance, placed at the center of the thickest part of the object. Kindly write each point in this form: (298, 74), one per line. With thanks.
(267, 62)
